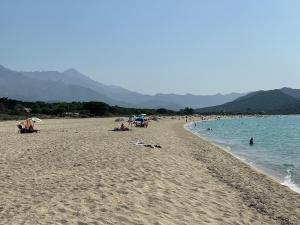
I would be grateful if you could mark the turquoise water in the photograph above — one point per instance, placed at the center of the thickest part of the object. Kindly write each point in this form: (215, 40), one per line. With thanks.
(276, 149)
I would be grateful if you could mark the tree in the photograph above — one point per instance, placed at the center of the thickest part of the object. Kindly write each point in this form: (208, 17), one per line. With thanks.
(97, 108)
(188, 111)
(162, 111)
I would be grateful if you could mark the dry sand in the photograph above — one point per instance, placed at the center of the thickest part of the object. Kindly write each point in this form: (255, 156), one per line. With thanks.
(78, 172)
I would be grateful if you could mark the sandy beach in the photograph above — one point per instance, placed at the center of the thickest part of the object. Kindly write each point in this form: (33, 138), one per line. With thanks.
(76, 171)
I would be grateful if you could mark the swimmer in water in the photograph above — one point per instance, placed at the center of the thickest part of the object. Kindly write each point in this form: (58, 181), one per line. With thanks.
(251, 142)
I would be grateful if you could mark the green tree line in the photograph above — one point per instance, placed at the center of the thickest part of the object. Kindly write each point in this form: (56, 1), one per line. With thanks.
(82, 109)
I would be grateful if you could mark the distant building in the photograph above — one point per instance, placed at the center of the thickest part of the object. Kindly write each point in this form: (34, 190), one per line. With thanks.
(71, 114)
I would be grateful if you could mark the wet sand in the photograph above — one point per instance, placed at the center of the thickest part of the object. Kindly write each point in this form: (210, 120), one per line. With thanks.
(76, 171)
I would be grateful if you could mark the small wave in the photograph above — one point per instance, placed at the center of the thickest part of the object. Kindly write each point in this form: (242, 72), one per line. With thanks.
(288, 181)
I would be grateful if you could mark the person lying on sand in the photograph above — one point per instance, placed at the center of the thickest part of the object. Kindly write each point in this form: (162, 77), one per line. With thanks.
(122, 128)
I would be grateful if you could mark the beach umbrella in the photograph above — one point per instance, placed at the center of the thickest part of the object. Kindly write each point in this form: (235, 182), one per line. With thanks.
(36, 120)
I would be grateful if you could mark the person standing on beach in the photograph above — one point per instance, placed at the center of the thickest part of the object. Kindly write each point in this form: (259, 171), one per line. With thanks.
(130, 121)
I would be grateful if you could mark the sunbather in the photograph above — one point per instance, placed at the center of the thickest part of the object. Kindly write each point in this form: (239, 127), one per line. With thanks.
(28, 129)
(122, 128)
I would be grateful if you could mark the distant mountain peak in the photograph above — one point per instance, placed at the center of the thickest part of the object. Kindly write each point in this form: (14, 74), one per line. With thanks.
(75, 73)
(291, 92)
(286, 88)
(72, 71)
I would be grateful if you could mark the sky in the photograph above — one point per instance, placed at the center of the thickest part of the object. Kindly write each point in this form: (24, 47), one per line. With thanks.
(158, 46)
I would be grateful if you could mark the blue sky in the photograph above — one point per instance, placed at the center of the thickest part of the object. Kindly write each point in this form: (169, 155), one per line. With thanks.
(158, 46)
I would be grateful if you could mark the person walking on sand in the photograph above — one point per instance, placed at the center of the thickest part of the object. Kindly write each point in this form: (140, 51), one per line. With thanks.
(130, 120)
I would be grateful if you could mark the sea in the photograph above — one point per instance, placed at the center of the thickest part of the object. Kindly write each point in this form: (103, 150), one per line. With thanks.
(276, 148)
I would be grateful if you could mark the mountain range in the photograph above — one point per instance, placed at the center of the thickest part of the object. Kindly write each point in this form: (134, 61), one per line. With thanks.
(71, 85)
(278, 101)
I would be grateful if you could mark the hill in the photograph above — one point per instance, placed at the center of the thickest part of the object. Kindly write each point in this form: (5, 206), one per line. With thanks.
(270, 102)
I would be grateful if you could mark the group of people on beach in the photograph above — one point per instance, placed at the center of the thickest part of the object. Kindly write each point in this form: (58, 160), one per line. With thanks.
(140, 121)
(27, 126)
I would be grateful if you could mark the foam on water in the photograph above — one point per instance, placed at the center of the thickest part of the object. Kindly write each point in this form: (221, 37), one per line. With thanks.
(288, 181)
(276, 149)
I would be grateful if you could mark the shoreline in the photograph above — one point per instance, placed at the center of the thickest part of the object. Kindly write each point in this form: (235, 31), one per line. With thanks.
(260, 169)
(263, 192)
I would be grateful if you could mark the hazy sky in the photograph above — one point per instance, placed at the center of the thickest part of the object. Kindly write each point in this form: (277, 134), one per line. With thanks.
(199, 47)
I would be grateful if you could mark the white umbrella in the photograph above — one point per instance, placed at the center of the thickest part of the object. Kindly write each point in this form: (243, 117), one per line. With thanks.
(36, 120)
